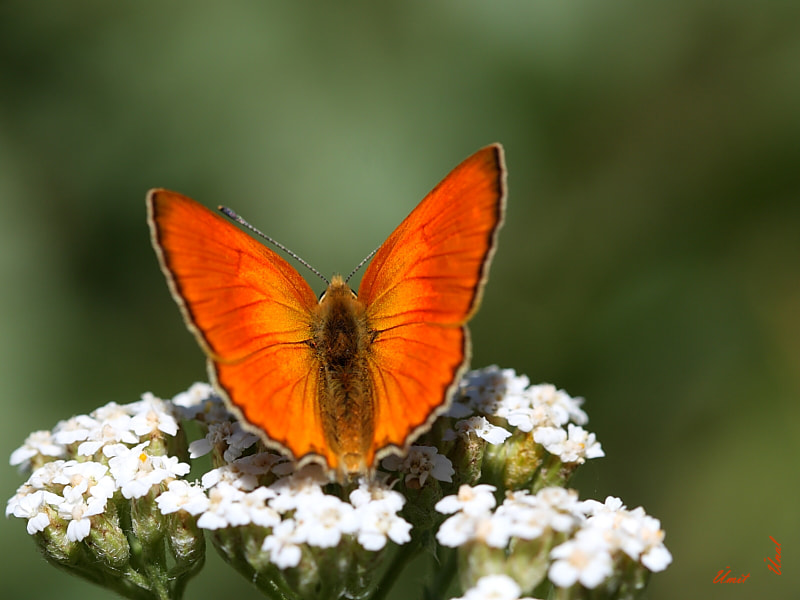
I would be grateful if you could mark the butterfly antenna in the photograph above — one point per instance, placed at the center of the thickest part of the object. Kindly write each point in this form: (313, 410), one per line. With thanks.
(362, 263)
(232, 215)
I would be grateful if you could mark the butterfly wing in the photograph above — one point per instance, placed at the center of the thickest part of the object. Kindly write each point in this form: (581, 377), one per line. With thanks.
(421, 288)
(250, 311)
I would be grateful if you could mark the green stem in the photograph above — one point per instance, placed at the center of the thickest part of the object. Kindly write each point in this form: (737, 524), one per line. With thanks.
(444, 575)
(394, 570)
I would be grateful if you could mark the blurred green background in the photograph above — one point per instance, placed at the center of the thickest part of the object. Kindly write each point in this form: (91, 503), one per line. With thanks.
(650, 260)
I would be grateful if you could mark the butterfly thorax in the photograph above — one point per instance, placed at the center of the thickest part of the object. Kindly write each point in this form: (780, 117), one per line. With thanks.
(341, 340)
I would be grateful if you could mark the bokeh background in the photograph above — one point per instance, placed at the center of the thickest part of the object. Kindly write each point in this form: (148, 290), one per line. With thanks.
(650, 260)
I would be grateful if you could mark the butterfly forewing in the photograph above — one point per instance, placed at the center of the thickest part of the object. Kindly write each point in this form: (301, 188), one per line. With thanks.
(250, 311)
(420, 289)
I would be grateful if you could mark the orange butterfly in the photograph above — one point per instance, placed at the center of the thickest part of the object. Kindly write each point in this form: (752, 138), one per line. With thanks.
(346, 379)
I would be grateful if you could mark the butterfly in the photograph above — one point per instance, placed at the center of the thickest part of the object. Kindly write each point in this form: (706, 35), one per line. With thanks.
(346, 379)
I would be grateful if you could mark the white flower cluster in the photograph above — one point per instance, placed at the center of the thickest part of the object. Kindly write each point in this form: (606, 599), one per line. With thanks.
(108, 425)
(608, 531)
(113, 459)
(84, 470)
(521, 515)
(293, 508)
(111, 446)
(542, 409)
(599, 533)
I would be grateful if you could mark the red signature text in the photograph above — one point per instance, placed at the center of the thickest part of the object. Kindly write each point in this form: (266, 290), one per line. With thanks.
(722, 577)
(774, 564)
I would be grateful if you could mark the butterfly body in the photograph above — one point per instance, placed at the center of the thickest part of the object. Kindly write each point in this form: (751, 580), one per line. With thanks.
(341, 341)
(346, 379)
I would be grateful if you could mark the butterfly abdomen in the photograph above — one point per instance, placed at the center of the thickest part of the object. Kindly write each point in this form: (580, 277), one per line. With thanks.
(346, 408)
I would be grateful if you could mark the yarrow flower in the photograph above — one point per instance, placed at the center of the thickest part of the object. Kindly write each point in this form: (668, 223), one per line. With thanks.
(153, 415)
(494, 587)
(137, 471)
(182, 495)
(379, 522)
(487, 480)
(421, 463)
(283, 545)
(35, 507)
(38, 444)
(584, 559)
(481, 427)
(470, 500)
(229, 436)
(573, 445)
